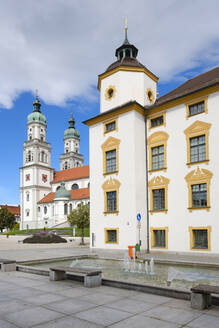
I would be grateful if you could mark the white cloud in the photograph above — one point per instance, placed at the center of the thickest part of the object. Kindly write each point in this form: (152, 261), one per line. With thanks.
(60, 46)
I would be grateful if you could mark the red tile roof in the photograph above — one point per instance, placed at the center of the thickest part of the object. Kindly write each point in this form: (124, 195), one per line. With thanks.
(83, 193)
(72, 174)
(12, 209)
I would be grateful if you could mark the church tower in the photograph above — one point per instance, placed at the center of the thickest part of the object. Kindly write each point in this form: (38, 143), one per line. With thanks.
(71, 157)
(118, 152)
(36, 172)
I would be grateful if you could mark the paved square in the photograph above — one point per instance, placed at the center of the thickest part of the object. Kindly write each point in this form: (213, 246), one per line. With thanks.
(28, 300)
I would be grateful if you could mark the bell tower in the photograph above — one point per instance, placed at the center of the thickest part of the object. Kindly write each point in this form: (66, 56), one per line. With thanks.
(71, 157)
(36, 172)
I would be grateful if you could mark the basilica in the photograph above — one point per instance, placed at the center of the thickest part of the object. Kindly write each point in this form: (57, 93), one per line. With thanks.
(48, 196)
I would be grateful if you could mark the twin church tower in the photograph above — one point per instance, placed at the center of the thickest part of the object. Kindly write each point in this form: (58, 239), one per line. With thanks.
(36, 174)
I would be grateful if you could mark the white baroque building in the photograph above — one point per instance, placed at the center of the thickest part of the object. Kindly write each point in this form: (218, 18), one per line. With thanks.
(154, 156)
(47, 197)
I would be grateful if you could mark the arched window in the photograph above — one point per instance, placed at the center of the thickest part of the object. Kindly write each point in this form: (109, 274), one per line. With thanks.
(66, 165)
(121, 55)
(45, 209)
(75, 186)
(38, 209)
(41, 138)
(127, 53)
(65, 209)
(42, 156)
(70, 208)
(30, 137)
(57, 188)
(27, 196)
(29, 156)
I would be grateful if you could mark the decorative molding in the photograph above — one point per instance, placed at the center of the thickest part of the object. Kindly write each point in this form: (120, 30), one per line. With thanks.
(106, 235)
(208, 228)
(159, 182)
(157, 139)
(152, 229)
(111, 185)
(110, 95)
(110, 144)
(195, 101)
(198, 177)
(198, 128)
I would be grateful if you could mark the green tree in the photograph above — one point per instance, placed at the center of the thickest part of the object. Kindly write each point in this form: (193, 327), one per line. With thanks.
(7, 219)
(81, 218)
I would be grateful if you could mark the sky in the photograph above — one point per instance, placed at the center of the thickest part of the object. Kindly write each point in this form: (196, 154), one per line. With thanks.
(60, 46)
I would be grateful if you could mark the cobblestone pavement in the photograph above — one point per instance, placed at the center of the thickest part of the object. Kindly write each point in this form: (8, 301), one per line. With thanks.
(28, 300)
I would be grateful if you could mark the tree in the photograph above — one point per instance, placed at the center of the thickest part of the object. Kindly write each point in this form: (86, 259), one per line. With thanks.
(7, 219)
(81, 218)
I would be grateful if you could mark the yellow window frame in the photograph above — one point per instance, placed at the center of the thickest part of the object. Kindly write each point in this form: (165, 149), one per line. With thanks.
(110, 144)
(108, 122)
(196, 101)
(108, 186)
(158, 182)
(198, 177)
(151, 117)
(208, 228)
(197, 129)
(106, 236)
(155, 140)
(152, 229)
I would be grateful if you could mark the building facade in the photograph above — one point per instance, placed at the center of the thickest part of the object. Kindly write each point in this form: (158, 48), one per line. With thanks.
(156, 157)
(42, 203)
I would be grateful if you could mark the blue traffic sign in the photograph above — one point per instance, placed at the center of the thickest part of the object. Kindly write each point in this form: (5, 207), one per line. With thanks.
(139, 217)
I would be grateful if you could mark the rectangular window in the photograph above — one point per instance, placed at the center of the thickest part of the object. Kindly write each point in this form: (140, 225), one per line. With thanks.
(110, 126)
(200, 238)
(197, 108)
(111, 201)
(159, 238)
(157, 121)
(111, 236)
(111, 161)
(197, 149)
(199, 195)
(157, 157)
(158, 199)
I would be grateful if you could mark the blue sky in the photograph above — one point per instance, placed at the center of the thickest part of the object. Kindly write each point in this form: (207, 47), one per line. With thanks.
(59, 47)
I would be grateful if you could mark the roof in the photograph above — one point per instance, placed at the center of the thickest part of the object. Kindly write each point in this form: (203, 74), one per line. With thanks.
(72, 174)
(104, 115)
(12, 209)
(197, 83)
(82, 193)
(126, 61)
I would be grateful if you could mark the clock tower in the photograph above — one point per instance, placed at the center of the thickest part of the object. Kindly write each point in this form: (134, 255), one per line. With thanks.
(36, 172)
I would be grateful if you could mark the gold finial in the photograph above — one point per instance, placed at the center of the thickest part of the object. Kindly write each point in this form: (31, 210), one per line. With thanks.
(126, 23)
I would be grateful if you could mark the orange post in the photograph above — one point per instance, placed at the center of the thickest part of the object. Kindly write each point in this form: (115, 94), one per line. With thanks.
(130, 251)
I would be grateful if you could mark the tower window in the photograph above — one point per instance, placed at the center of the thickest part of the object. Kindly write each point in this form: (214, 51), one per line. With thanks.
(27, 196)
(65, 209)
(110, 93)
(121, 54)
(127, 53)
(45, 209)
(74, 186)
(65, 165)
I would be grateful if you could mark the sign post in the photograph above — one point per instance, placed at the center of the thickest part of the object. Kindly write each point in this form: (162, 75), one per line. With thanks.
(139, 227)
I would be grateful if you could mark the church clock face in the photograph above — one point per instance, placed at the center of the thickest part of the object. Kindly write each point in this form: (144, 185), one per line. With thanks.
(110, 92)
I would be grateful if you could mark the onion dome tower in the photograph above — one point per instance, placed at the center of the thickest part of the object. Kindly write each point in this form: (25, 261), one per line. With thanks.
(71, 157)
(36, 173)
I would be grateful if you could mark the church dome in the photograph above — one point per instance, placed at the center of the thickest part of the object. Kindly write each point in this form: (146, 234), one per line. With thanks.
(36, 116)
(71, 132)
(62, 192)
